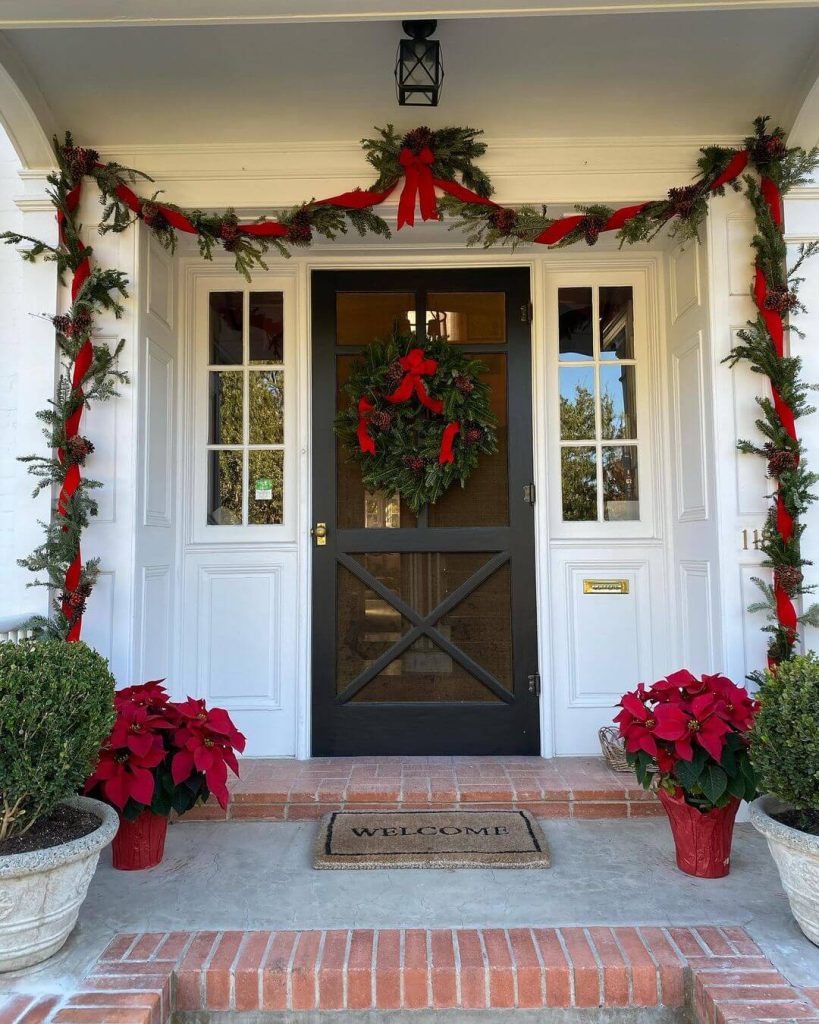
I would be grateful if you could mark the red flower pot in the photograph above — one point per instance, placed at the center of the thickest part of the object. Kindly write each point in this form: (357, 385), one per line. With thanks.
(140, 843)
(703, 841)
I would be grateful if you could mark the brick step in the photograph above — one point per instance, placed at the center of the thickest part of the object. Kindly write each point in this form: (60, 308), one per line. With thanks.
(713, 975)
(570, 787)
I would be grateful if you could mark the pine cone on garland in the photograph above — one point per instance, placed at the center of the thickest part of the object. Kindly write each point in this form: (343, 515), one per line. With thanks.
(788, 578)
(299, 229)
(381, 419)
(591, 226)
(153, 217)
(78, 449)
(473, 435)
(80, 161)
(74, 327)
(417, 139)
(768, 149)
(782, 301)
(683, 200)
(394, 374)
(464, 384)
(781, 460)
(414, 463)
(229, 232)
(504, 221)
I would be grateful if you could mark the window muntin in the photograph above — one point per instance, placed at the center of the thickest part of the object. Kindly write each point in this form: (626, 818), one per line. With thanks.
(245, 433)
(597, 379)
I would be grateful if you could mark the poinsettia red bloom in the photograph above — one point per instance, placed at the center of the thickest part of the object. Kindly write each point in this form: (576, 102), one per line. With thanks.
(637, 722)
(123, 775)
(164, 755)
(737, 708)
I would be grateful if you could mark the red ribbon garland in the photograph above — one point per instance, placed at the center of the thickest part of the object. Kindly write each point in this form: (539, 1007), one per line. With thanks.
(416, 366)
(785, 608)
(418, 184)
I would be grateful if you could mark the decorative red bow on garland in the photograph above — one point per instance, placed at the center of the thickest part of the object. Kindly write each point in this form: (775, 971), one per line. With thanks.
(418, 182)
(416, 366)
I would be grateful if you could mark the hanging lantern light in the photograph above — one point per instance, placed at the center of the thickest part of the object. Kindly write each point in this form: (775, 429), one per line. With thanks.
(419, 72)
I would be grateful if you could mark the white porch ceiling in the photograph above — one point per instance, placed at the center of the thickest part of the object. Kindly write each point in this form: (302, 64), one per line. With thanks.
(88, 13)
(696, 75)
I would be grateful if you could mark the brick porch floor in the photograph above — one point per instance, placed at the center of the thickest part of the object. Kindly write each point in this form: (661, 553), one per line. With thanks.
(289, 790)
(718, 975)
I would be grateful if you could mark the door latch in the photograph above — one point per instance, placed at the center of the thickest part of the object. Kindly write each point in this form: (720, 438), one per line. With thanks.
(529, 494)
(534, 684)
(319, 531)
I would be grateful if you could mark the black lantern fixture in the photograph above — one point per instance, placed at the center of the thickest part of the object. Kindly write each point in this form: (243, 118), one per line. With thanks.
(419, 72)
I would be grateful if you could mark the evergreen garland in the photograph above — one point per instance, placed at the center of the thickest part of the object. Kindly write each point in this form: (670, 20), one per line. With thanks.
(407, 436)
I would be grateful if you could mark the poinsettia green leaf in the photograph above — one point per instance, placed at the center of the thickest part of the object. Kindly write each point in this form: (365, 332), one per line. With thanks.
(688, 773)
(714, 783)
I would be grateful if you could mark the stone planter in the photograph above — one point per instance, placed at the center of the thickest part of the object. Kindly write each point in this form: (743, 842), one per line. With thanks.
(797, 856)
(41, 892)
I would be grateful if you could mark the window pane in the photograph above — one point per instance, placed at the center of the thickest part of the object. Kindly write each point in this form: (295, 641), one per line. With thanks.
(621, 495)
(461, 317)
(225, 408)
(225, 328)
(618, 408)
(578, 472)
(224, 488)
(616, 323)
(575, 322)
(266, 327)
(266, 397)
(266, 481)
(363, 317)
(577, 403)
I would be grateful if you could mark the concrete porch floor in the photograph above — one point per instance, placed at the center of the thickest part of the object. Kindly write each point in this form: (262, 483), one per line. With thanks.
(258, 875)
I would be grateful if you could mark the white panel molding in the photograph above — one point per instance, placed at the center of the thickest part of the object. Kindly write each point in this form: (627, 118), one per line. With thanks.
(752, 484)
(696, 613)
(739, 230)
(638, 573)
(685, 279)
(209, 577)
(158, 435)
(155, 621)
(159, 297)
(689, 412)
(100, 423)
(754, 645)
(98, 627)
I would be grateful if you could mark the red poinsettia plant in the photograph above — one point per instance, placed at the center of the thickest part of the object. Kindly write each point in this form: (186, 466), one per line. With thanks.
(164, 755)
(692, 734)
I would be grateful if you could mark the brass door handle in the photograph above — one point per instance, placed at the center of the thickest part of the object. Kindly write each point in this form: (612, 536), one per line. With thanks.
(319, 531)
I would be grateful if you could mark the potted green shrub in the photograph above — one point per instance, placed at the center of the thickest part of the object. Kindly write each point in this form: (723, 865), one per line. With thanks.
(785, 753)
(56, 707)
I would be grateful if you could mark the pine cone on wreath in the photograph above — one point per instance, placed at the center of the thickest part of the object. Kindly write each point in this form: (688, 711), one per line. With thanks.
(788, 578)
(464, 384)
(381, 419)
(78, 449)
(781, 460)
(473, 435)
(414, 463)
(394, 374)
(417, 139)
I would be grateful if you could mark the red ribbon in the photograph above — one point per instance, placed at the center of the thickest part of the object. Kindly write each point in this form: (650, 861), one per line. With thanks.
(418, 184)
(557, 231)
(416, 366)
(736, 165)
(773, 197)
(365, 440)
(450, 432)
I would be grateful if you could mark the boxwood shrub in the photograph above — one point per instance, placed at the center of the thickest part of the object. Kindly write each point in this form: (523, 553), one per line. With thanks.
(56, 709)
(785, 737)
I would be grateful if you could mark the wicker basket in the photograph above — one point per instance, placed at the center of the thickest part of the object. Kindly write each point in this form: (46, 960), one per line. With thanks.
(614, 751)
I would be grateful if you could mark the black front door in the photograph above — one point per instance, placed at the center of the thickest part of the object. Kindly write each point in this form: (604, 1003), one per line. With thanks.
(424, 627)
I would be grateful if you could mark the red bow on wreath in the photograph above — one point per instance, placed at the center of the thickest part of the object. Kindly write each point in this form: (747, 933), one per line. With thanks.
(418, 182)
(416, 366)
(365, 438)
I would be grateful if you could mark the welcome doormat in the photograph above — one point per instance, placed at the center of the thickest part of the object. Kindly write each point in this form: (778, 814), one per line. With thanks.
(430, 839)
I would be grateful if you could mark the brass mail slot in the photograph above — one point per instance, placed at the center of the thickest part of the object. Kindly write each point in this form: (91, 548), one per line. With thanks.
(605, 586)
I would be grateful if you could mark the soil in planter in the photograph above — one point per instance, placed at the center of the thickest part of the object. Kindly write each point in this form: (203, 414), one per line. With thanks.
(61, 826)
(804, 821)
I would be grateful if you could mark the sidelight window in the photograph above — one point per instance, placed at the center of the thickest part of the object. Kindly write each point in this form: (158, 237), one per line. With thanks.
(599, 464)
(246, 387)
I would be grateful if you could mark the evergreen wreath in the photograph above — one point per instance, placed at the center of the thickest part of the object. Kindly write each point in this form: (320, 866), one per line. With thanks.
(417, 419)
